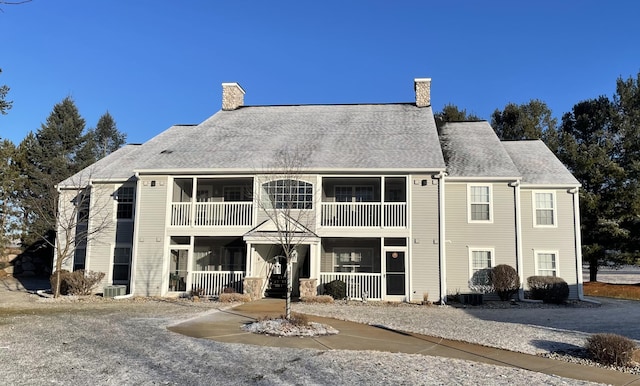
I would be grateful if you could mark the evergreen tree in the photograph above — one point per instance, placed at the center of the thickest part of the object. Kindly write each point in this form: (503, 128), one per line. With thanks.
(451, 113)
(106, 137)
(5, 105)
(58, 150)
(8, 213)
(589, 144)
(531, 120)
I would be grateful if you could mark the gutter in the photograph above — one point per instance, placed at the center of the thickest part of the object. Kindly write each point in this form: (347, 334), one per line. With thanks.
(518, 223)
(578, 240)
(441, 225)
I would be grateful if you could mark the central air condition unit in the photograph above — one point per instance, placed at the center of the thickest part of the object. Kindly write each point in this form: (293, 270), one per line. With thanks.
(111, 291)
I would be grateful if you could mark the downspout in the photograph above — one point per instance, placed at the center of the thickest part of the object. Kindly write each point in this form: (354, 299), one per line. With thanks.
(441, 225)
(518, 222)
(134, 246)
(578, 240)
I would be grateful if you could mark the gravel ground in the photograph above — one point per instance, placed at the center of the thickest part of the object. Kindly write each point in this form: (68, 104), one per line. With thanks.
(125, 342)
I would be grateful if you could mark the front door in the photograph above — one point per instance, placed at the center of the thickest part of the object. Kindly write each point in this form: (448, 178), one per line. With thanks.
(395, 272)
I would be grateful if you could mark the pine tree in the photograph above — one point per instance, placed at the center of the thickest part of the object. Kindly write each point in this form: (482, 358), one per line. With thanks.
(106, 137)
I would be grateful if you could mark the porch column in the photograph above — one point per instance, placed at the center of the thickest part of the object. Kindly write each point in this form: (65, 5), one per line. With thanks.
(249, 260)
(383, 209)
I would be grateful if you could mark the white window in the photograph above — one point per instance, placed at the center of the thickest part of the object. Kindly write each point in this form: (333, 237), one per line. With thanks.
(479, 259)
(480, 203)
(353, 260)
(289, 194)
(121, 265)
(546, 263)
(124, 196)
(544, 209)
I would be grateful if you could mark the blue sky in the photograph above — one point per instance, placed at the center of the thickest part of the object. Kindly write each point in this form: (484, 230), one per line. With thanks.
(154, 63)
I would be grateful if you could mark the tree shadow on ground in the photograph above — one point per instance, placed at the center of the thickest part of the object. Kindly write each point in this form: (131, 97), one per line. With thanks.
(560, 347)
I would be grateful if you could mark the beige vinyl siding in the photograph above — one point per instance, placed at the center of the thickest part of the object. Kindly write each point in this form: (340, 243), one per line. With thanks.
(150, 255)
(66, 218)
(462, 235)
(424, 247)
(560, 238)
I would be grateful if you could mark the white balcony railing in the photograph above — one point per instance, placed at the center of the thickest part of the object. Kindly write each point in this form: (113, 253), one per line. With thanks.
(212, 283)
(212, 214)
(364, 214)
(358, 284)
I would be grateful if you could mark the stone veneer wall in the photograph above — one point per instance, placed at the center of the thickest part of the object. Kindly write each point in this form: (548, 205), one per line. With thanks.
(253, 287)
(308, 287)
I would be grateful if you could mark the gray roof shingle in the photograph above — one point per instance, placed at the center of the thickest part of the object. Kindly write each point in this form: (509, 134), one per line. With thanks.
(472, 149)
(385, 136)
(396, 136)
(537, 164)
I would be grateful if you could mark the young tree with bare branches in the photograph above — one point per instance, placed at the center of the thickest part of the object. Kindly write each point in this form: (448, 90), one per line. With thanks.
(289, 203)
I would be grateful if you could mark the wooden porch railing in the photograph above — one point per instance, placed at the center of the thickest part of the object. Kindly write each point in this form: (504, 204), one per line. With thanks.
(364, 214)
(213, 282)
(212, 214)
(358, 284)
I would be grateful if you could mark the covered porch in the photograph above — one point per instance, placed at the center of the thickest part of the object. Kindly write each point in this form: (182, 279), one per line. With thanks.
(379, 202)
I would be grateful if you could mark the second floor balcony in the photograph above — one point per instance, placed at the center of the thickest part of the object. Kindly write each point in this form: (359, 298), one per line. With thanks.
(354, 202)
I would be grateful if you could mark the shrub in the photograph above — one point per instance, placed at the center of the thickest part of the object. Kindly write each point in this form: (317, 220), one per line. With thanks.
(610, 349)
(234, 297)
(505, 281)
(549, 289)
(481, 281)
(64, 286)
(298, 319)
(83, 282)
(316, 299)
(337, 289)
(197, 291)
(229, 290)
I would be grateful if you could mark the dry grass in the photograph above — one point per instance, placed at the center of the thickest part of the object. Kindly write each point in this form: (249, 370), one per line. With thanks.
(316, 299)
(618, 291)
(233, 297)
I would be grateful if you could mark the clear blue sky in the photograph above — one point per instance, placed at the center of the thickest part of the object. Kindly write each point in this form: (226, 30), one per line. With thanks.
(154, 63)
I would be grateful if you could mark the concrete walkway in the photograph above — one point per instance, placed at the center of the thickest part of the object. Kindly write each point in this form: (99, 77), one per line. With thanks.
(224, 326)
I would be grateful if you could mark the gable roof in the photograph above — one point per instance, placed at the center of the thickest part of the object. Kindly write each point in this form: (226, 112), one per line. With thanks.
(336, 137)
(118, 165)
(472, 149)
(390, 137)
(537, 164)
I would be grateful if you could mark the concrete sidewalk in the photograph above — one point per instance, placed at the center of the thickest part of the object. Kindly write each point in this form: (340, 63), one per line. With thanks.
(224, 326)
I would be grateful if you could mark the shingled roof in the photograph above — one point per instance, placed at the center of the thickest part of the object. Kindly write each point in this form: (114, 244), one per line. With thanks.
(537, 164)
(336, 137)
(472, 149)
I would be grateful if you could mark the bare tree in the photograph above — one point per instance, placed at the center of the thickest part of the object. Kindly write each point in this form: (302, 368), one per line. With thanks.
(82, 211)
(289, 203)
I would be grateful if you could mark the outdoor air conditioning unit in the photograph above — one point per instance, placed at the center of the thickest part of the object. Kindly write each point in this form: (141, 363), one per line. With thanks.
(114, 290)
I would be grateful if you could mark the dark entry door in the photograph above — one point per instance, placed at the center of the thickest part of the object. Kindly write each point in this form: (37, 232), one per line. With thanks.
(395, 272)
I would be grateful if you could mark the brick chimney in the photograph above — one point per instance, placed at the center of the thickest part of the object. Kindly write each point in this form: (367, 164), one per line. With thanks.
(422, 87)
(232, 96)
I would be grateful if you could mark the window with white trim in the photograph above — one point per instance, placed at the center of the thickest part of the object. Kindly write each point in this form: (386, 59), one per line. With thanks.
(121, 264)
(288, 194)
(544, 208)
(546, 263)
(480, 259)
(480, 203)
(124, 196)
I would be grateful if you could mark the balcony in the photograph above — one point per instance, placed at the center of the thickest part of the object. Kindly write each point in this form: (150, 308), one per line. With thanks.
(208, 214)
(364, 214)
